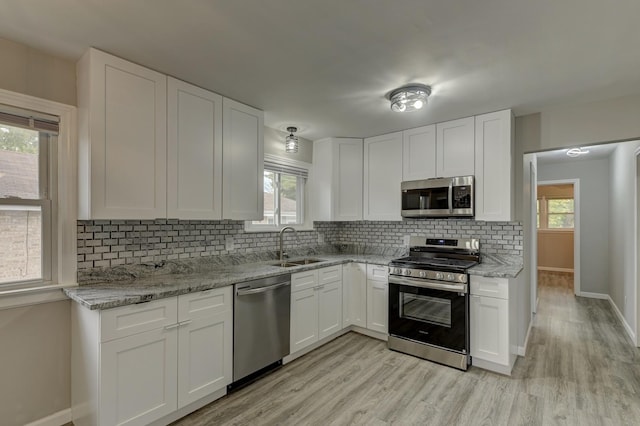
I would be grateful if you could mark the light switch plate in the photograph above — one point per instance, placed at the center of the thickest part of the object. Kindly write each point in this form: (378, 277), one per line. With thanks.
(320, 238)
(228, 243)
(405, 240)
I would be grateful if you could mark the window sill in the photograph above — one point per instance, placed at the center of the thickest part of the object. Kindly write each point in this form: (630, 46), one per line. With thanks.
(15, 298)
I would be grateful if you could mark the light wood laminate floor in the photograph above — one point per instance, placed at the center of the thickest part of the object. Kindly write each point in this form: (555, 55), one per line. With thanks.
(580, 369)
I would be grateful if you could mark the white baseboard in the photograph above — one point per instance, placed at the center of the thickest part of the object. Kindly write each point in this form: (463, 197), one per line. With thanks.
(522, 350)
(626, 325)
(55, 419)
(594, 295)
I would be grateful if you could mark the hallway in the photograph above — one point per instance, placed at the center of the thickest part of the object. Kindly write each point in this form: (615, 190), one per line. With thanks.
(580, 369)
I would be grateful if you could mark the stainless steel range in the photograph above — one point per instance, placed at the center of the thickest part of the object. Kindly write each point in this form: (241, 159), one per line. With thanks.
(429, 300)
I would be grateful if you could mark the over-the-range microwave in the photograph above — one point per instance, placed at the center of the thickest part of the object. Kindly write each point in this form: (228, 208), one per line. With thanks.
(438, 197)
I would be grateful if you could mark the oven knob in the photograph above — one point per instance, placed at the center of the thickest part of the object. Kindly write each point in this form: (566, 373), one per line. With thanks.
(439, 276)
(423, 274)
(450, 277)
(407, 272)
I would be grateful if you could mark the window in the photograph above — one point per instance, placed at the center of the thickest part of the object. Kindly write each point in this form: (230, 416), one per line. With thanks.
(555, 213)
(27, 180)
(284, 195)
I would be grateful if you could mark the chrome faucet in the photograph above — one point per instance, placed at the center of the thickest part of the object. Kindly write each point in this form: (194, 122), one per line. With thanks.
(281, 235)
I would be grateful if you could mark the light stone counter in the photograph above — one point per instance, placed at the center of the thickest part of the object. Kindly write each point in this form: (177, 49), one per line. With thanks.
(501, 266)
(112, 294)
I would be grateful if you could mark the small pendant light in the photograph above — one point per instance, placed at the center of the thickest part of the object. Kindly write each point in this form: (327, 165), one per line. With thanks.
(291, 142)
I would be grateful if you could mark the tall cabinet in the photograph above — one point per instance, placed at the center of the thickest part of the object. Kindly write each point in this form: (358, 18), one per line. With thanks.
(194, 152)
(337, 179)
(243, 157)
(122, 139)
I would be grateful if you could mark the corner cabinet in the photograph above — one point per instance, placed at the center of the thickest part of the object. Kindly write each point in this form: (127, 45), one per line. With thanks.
(336, 179)
(243, 158)
(142, 363)
(494, 168)
(382, 177)
(122, 139)
(493, 323)
(194, 152)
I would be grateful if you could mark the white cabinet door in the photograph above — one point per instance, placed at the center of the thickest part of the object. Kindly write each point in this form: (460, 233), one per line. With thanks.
(205, 343)
(336, 179)
(122, 141)
(304, 319)
(194, 152)
(489, 329)
(382, 177)
(419, 153)
(377, 305)
(243, 159)
(329, 309)
(354, 295)
(455, 148)
(493, 164)
(138, 378)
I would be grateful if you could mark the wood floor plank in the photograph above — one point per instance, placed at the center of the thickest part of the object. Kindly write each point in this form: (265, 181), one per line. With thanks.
(580, 369)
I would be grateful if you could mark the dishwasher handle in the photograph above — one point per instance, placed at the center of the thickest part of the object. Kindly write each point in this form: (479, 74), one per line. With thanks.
(243, 292)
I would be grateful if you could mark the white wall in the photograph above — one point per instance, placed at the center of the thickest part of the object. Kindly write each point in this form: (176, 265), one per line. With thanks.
(274, 145)
(594, 217)
(622, 237)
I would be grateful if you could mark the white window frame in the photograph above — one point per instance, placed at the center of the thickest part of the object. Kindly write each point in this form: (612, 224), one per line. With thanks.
(544, 214)
(303, 196)
(63, 226)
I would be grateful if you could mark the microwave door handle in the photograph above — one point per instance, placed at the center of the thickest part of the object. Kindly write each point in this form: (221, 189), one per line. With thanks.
(450, 197)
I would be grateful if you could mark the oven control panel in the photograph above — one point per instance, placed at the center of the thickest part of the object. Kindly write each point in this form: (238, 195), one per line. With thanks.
(429, 275)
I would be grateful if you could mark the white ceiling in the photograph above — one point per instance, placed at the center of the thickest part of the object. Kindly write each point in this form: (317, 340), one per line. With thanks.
(326, 66)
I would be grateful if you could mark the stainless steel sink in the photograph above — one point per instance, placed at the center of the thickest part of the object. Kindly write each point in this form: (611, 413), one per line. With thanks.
(301, 262)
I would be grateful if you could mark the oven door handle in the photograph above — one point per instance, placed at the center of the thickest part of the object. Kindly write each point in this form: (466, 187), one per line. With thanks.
(454, 288)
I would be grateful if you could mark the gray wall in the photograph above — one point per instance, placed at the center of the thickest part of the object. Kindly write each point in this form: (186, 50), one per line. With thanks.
(622, 238)
(35, 340)
(594, 217)
(33, 72)
(274, 145)
(36, 361)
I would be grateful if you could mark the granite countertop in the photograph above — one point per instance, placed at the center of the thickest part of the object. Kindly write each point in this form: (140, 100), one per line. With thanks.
(112, 294)
(502, 266)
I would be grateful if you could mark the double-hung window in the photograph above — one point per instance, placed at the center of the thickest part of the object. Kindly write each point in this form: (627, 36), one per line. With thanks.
(284, 195)
(27, 196)
(556, 213)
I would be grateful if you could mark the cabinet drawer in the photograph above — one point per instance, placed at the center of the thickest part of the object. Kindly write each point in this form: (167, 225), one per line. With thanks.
(377, 272)
(205, 303)
(304, 280)
(133, 319)
(490, 286)
(329, 274)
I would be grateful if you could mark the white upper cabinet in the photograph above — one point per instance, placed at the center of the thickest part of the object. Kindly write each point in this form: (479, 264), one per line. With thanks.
(455, 148)
(337, 179)
(122, 141)
(419, 153)
(494, 171)
(243, 159)
(194, 152)
(382, 177)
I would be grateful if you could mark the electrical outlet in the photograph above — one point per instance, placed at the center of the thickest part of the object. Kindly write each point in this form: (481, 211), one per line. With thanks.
(320, 238)
(228, 243)
(405, 240)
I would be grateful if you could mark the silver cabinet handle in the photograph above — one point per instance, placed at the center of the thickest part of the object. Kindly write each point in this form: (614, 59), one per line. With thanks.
(185, 322)
(455, 288)
(243, 292)
(172, 326)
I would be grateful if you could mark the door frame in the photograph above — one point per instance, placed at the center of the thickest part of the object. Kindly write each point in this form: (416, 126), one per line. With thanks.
(576, 229)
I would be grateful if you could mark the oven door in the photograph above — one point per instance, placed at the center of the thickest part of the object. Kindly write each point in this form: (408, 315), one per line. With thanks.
(434, 316)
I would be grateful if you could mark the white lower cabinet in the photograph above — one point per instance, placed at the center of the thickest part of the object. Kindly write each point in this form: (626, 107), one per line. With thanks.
(354, 295)
(136, 364)
(492, 324)
(377, 298)
(316, 306)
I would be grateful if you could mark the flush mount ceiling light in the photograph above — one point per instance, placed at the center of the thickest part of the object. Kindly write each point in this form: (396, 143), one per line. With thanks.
(409, 98)
(291, 142)
(576, 152)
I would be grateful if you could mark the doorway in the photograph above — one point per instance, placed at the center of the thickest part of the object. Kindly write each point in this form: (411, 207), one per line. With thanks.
(558, 234)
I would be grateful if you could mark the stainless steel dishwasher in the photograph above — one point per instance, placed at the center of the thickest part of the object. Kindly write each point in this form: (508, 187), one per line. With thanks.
(261, 318)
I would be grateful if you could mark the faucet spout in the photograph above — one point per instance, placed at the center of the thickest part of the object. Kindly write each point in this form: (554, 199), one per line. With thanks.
(282, 231)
